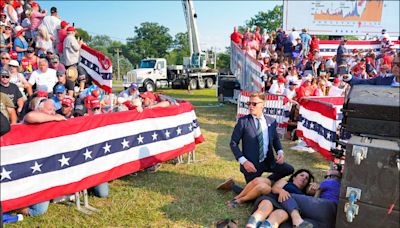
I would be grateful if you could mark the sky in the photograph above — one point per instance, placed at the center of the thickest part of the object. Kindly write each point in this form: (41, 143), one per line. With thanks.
(117, 19)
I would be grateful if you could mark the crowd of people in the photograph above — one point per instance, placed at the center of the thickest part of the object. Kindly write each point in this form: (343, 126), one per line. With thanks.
(41, 79)
(292, 66)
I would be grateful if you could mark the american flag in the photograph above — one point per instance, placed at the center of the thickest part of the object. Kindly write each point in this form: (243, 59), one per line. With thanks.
(98, 66)
(318, 122)
(40, 162)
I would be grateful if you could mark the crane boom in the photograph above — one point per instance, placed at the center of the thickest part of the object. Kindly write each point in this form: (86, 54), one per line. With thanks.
(197, 57)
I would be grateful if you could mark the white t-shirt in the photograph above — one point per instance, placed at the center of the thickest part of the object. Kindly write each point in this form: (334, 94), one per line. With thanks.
(126, 96)
(335, 91)
(52, 23)
(289, 93)
(277, 89)
(44, 81)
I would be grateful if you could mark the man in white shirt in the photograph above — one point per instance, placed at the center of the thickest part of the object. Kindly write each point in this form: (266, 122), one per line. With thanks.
(45, 78)
(334, 90)
(52, 23)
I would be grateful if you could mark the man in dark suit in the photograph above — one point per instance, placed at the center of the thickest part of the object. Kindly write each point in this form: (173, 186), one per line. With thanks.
(259, 139)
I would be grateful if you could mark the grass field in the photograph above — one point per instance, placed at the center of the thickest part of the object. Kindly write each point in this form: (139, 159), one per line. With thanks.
(181, 195)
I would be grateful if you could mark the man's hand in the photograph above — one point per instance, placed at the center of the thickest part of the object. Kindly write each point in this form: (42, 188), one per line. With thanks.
(139, 109)
(283, 196)
(58, 117)
(249, 167)
(280, 159)
(313, 188)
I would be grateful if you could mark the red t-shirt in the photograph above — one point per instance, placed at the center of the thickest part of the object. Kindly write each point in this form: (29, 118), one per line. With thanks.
(387, 60)
(236, 37)
(62, 33)
(304, 91)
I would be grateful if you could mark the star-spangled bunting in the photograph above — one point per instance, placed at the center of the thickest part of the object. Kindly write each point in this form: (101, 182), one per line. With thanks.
(64, 161)
(36, 167)
(125, 144)
(87, 154)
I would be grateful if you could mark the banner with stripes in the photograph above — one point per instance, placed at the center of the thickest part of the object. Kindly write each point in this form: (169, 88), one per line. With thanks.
(40, 162)
(318, 122)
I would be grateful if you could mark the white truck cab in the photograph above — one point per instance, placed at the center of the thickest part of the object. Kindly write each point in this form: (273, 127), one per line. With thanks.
(150, 72)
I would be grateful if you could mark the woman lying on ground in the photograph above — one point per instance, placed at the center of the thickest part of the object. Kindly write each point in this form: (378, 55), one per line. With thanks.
(302, 206)
(269, 205)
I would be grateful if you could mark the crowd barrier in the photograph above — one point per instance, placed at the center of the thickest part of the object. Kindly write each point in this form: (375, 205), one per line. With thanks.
(276, 106)
(40, 162)
(246, 69)
(319, 121)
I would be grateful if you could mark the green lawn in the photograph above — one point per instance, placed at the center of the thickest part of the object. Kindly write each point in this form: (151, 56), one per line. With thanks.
(180, 195)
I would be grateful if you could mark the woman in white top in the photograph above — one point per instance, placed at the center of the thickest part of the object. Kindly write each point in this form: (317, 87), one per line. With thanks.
(11, 13)
(43, 41)
(18, 79)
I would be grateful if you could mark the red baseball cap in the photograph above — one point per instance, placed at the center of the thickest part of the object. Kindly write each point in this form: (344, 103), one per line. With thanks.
(33, 4)
(337, 81)
(42, 93)
(355, 50)
(63, 24)
(13, 55)
(148, 95)
(67, 101)
(95, 103)
(71, 29)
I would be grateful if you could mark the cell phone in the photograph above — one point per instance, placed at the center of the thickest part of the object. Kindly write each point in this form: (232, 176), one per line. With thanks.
(73, 24)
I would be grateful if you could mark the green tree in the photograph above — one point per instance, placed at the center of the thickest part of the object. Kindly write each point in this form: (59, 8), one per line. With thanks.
(83, 35)
(269, 21)
(180, 49)
(150, 40)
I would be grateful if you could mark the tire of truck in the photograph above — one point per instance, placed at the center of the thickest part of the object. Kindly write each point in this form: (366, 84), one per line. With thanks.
(193, 84)
(149, 86)
(201, 84)
(209, 82)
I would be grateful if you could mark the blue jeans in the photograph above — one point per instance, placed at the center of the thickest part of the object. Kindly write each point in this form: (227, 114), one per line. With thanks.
(101, 190)
(38, 209)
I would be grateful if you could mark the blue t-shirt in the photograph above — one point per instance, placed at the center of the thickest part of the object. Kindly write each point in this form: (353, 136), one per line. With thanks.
(291, 188)
(330, 190)
(305, 40)
(57, 103)
(21, 44)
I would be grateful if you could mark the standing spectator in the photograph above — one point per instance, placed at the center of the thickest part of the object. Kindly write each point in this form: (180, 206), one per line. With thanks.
(52, 23)
(236, 37)
(20, 44)
(279, 41)
(36, 18)
(297, 52)
(7, 108)
(293, 35)
(314, 45)
(44, 77)
(11, 13)
(43, 41)
(257, 35)
(61, 34)
(11, 90)
(306, 41)
(287, 48)
(26, 23)
(6, 39)
(18, 79)
(71, 47)
(31, 57)
(3, 19)
(5, 59)
(63, 80)
(341, 57)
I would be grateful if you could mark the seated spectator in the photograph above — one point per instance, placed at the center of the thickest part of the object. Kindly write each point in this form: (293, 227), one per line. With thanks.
(60, 94)
(278, 87)
(130, 94)
(305, 90)
(43, 41)
(67, 108)
(63, 80)
(7, 108)
(20, 44)
(6, 39)
(5, 59)
(11, 90)
(18, 79)
(32, 58)
(3, 20)
(44, 77)
(321, 89)
(290, 92)
(335, 89)
(150, 100)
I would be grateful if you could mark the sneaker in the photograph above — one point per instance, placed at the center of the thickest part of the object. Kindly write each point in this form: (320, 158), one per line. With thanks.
(154, 168)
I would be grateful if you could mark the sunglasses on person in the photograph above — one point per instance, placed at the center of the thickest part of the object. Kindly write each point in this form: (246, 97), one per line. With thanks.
(95, 109)
(5, 58)
(66, 106)
(5, 76)
(30, 52)
(253, 103)
(8, 28)
(59, 93)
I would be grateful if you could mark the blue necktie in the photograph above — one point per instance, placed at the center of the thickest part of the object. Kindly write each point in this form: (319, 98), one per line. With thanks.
(260, 141)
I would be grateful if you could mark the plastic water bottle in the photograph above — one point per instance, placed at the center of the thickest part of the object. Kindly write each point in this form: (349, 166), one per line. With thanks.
(8, 218)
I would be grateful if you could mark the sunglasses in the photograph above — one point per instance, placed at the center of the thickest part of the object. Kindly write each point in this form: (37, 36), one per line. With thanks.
(253, 103)
(5, 58)
(59, 93)
(5, 76)
(30, 52)
(331, 176)
(66, 106)
(8, 28)
(97, 108)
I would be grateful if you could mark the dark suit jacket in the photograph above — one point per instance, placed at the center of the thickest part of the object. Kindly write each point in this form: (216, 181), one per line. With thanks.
(246, 131)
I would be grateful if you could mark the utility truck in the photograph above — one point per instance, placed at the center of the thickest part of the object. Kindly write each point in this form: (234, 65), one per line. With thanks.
(154, 73)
